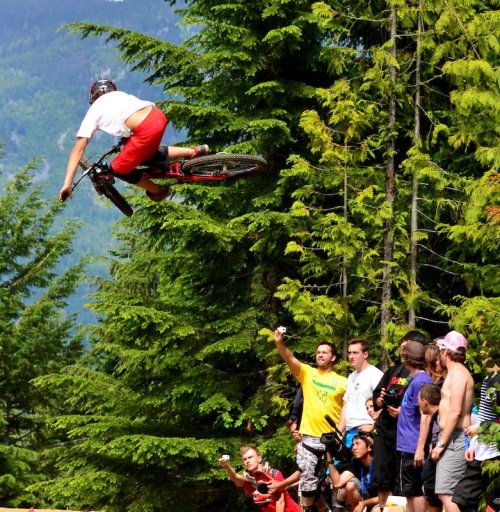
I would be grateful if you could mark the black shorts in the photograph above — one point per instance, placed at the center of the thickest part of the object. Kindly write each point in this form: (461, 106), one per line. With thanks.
(429, 478)
(468, 491)
(385, 464)
(411, 477)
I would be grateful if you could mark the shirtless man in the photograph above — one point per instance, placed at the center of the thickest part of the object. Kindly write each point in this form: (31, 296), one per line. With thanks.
(457, 395)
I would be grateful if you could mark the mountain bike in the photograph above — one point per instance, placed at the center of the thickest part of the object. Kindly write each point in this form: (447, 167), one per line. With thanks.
(217, 167)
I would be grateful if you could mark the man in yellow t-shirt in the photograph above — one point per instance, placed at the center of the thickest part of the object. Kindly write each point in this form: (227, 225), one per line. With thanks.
(323, 391)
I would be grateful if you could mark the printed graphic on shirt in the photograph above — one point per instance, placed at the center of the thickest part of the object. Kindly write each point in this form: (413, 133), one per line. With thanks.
(322, 390)
(323, 393)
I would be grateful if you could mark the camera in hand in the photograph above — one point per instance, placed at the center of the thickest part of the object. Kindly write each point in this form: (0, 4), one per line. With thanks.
(392, 397)
(262, 488)
(334, 444)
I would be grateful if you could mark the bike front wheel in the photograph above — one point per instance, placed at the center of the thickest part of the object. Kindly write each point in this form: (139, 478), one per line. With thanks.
(104, 186)
(109, 191)
(222, 166)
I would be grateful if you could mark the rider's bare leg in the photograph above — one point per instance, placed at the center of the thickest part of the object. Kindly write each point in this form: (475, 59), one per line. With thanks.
(179, 153)
(185, 153)
(149, 185)
(154, 191)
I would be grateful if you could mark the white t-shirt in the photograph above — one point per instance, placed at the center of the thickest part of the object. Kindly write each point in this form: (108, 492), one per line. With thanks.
(109, 113)
(360, 386)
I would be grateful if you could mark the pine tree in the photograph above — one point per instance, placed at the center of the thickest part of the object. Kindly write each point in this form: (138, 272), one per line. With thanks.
(36, 337)
(181, 378)
(182, 369)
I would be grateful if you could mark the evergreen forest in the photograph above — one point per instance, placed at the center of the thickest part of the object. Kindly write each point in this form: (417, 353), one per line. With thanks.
(378, 213)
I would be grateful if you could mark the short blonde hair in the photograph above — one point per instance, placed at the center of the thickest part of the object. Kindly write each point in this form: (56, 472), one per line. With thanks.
(246, 448)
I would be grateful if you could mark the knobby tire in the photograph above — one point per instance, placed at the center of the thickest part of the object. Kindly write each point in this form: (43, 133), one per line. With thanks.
(224, 164)
(105, 187)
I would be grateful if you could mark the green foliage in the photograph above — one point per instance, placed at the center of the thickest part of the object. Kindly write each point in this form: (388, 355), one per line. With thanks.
(182, 369)
(46, 74)
(35, 335)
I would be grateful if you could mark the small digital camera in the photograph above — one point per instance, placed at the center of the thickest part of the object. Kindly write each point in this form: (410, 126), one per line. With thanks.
(392, 397)
(281, 329)
(225, 457)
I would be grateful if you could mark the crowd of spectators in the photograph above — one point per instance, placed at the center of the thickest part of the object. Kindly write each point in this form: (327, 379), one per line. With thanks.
(361, 440)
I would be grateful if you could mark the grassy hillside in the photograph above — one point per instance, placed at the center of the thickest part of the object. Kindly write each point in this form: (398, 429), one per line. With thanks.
(44, 81)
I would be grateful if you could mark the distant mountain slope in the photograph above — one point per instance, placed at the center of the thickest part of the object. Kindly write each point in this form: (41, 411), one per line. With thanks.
(44, 80)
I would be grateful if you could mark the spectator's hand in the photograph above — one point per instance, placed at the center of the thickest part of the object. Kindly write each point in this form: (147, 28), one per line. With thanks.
(297, 436)
(225, 463)
(393, 411)
(359, 507)
(436, 453)
(472, 430)
(418, 460)
(275, 486)
(366, 429)
(65, 192)
(380, 399)
(292, 426)
(470, 453)
(279, 337)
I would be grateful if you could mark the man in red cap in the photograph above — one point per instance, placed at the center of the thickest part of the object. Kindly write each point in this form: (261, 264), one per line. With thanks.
(457, 395)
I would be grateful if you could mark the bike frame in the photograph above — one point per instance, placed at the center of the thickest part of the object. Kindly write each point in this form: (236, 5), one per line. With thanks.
(174, 170)
(169, 170)
(218, 167)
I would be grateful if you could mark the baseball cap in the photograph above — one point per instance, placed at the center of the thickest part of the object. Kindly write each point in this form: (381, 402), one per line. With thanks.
(438, 341)
(414, 350)
(453, 341)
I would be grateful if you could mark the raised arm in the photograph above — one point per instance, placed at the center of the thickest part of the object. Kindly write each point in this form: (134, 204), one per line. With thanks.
(231, 472)
(285, 354)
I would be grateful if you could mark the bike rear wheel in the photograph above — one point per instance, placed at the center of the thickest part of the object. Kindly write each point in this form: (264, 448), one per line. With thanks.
(103, 186)
(223, 165)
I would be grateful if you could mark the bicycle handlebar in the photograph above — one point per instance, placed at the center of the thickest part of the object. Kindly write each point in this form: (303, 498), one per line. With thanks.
(93, 165)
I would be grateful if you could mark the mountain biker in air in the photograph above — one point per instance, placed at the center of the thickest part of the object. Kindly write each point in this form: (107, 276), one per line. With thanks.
(140, 122)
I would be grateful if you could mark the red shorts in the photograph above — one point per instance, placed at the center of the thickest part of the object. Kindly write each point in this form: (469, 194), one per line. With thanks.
(142, 144)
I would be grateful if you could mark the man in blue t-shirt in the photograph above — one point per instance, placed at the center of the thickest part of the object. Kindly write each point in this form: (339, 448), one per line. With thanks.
(413, 428)
(387, 398)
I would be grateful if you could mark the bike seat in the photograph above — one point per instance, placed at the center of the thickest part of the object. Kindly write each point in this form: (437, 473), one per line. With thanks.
(159, 159)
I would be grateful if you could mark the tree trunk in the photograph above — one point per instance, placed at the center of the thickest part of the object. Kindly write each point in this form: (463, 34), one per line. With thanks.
(385, 316)
(414, 195)
(345, 303)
